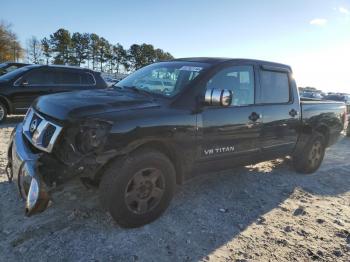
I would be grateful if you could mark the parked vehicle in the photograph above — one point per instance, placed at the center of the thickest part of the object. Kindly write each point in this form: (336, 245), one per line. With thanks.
(10, 66)
(112, 79)
(311, 95)
(137, 144)
(342, 98)
(19, 88)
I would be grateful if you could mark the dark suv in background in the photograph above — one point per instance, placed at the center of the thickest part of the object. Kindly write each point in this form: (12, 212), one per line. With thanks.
(10, 66)
(19, 88)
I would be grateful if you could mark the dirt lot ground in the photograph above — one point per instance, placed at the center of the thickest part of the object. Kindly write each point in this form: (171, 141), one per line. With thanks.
(264, 212)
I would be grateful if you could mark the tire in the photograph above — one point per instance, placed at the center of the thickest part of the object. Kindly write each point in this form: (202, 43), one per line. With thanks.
(3, 113)
(310, 159)
(137, 191)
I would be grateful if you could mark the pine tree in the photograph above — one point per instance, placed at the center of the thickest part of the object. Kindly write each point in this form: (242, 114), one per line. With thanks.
(103, 52)
(93, 48)
(61, 44)
(119, 56)
(80, 48)
(46, 49)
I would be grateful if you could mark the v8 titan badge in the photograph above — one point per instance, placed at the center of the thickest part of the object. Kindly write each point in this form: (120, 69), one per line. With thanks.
(218, 150)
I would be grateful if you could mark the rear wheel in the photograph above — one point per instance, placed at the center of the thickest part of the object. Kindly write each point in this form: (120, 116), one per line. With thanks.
(3, 113)
(139, 190)
(312, 156)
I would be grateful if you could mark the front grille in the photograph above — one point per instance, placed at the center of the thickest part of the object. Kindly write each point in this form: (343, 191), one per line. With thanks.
(40, 132)
(50, 131)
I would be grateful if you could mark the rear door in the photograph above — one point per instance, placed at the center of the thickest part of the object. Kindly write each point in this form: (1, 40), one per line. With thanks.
(67, 80)
(280, 105)
(230, 135)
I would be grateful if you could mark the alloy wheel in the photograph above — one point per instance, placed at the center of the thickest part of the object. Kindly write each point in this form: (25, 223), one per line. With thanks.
(2, 112)
(144, 190)
(315, 155)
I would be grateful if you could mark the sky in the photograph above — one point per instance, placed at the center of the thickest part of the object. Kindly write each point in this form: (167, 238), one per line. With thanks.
(313, 36)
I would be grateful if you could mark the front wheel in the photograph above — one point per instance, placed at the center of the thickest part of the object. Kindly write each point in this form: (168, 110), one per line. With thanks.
(3, 113)
(139, 190)
(310, 159)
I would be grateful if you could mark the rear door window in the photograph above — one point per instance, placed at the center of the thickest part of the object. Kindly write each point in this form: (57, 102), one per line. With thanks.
(274, 87)
(63, 77)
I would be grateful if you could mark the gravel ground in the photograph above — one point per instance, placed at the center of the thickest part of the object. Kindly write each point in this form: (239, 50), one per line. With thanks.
(264, 212)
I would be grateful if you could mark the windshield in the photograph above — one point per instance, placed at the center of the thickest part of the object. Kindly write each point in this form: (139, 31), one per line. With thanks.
(165, 78)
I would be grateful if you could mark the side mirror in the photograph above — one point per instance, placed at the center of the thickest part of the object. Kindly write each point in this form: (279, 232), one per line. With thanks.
(218, 97)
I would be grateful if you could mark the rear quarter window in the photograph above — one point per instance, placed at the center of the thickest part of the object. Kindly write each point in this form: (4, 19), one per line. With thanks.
(87, 79)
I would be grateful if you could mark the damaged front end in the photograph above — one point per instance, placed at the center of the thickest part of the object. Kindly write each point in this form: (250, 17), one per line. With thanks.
(42, 156)
(23, 168)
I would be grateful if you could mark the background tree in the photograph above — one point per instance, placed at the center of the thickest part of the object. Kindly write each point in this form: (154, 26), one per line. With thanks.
(119, 57)
(34, 50)
(145, 54)
(160, 55)
(103, 52)
(80, 48)
(93, 48)
(10, 48)
(135, 57)
(61, 45)
(46, 49)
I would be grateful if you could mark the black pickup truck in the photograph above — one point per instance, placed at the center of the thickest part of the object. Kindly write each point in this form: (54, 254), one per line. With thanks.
(164, 123)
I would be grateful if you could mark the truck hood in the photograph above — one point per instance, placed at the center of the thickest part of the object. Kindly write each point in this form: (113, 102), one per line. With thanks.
(81, 104)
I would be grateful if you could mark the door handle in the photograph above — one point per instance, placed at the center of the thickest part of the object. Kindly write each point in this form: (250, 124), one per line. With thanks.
(293, 113)
(254, 116)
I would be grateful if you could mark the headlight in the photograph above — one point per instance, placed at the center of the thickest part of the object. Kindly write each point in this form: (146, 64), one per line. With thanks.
(92, 135)
(29, 111)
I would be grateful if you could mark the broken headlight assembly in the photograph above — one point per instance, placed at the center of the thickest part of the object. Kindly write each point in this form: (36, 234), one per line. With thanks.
(92, 135)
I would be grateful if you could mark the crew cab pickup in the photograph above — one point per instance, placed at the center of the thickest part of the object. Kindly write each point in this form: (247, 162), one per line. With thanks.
(137, 141)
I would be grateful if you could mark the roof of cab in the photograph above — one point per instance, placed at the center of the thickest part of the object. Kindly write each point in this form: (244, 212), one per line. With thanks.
(218, 60)
(59, 66)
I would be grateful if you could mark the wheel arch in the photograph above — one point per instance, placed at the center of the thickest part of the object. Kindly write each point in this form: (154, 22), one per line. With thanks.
(7, 103)
(324, 130)
(170, 152)
(163, 147)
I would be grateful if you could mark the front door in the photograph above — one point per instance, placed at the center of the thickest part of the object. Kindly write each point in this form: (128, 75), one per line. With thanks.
(35, 83)
(229, 135)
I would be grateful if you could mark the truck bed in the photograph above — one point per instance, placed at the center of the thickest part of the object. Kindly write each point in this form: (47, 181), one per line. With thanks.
(329, 114)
